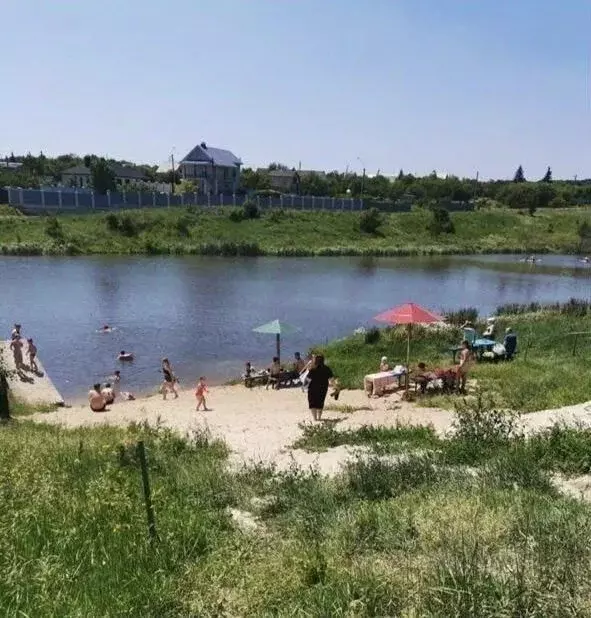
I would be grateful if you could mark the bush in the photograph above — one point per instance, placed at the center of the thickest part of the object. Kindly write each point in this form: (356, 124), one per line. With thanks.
(460, 316)
(236, 215)
(250, 210)
(53, 229)
(372, 336)
(127, 226)
(440, 222)
(370, 220)
(479, 422)
(182, 226)
(112, 222)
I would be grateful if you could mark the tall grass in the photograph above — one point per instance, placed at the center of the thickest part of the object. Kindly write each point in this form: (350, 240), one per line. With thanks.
(288, 233)
(411, 536)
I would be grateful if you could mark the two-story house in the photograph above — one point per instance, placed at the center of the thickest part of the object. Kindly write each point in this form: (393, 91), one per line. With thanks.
(213, 170)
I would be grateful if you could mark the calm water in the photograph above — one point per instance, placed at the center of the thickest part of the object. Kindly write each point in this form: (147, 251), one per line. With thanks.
(200, 311)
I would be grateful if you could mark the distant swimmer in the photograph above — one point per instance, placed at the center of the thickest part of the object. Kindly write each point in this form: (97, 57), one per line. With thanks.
(106, 329)
(125, 356)
(585, 260)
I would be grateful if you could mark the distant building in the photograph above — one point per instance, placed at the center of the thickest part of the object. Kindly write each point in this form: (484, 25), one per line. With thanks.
(213, 170)
(80, 176)
(11, 166)
(286, 181)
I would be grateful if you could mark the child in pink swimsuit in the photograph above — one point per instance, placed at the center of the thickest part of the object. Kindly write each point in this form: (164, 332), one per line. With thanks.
(200, 394)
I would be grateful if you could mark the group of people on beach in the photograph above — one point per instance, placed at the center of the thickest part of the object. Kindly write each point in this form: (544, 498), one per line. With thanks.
(313, 375)
(17, 348)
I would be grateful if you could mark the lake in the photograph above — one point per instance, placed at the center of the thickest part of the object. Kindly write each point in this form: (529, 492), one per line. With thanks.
(200, 311)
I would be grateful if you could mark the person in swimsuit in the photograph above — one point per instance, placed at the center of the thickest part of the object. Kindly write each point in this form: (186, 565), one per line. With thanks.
(169, 384)
(16, 345)
(200, 394)
(32, 352)
(466, 360)
(96, 400)
(108, 393)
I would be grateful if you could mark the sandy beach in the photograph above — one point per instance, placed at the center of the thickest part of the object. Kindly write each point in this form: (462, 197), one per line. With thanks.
(257, 424)
(260, 425)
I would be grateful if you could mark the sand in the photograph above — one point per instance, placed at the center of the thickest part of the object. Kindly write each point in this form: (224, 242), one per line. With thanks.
(261, 425)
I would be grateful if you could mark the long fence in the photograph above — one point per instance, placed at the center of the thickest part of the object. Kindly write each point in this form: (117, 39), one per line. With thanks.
(58, 201)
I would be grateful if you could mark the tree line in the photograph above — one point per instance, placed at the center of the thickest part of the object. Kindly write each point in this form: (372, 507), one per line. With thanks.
(423, 190)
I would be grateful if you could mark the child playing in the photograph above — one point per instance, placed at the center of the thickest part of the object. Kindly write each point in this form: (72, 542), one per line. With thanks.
(200, 394)
(32, 351)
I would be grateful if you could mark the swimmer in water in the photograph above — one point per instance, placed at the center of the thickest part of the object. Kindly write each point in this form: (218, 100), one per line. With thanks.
(125, 356)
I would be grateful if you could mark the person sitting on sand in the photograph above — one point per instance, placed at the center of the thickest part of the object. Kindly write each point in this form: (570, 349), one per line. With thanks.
(423, 376)
(275, 368)
(384, 366)
(108, 393)
(169, 384)
(32, 352)
(96, 400)
(200, 394)
(125, 356)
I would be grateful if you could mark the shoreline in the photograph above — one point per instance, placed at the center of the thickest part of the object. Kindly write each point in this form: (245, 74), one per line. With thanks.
(260, 426)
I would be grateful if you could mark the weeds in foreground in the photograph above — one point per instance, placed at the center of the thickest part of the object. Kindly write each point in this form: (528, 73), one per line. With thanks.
(408, 535)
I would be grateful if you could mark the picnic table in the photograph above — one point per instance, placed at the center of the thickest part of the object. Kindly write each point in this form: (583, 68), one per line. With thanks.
(377, 383)
(258, 378)
(480, 345)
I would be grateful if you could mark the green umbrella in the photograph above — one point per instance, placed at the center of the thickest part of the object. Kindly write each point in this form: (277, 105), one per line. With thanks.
(277, 328)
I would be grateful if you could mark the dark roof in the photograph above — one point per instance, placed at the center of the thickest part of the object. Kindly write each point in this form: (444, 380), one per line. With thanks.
(80, 170)
(217, 156)
(120, 171)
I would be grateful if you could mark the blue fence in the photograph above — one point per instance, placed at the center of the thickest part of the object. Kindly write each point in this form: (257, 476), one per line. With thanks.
(56, 201)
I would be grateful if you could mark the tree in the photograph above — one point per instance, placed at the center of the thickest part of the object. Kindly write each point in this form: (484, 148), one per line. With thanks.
(103, 178)
(277, 166)
(547, 176)
(519, 175)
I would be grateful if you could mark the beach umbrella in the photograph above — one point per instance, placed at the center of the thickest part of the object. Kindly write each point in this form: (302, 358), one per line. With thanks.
(409, 314)
(277, 328)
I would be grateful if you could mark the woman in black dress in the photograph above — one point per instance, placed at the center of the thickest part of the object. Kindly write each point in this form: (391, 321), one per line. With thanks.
(319, 377)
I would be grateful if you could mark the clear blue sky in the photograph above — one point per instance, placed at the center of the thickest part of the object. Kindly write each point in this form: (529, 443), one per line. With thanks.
(451, 85)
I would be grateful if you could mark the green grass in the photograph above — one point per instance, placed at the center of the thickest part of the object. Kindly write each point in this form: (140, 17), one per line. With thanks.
(548, 375)
(288, 233)
(413, 537)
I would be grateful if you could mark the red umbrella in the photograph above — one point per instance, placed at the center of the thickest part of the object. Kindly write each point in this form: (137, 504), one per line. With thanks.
(408, 314)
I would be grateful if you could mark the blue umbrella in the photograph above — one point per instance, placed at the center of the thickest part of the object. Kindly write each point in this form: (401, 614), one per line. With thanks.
(277, 328)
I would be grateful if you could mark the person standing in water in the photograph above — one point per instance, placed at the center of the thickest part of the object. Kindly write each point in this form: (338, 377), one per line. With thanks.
(169, 384)
(319, 376)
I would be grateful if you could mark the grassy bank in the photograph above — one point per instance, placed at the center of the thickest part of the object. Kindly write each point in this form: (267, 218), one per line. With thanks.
(544, 374)
(416, 536)
(288, 233)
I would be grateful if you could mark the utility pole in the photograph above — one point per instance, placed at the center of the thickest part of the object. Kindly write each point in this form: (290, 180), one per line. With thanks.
(362, 183)
(172, 183)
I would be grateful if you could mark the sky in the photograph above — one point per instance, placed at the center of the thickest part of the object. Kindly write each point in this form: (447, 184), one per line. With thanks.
(456, 86)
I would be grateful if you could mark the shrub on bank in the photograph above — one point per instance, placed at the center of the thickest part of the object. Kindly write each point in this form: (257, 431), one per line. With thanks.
(370, 221)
